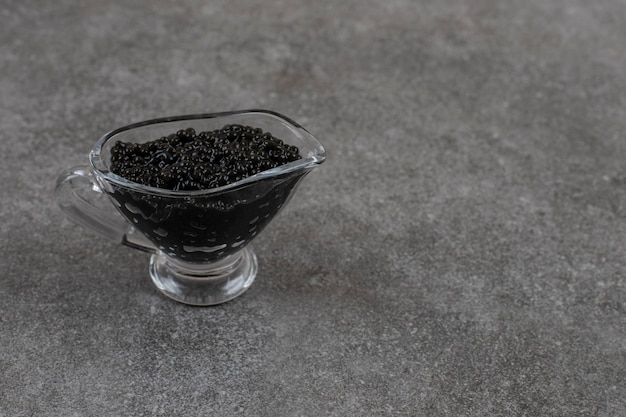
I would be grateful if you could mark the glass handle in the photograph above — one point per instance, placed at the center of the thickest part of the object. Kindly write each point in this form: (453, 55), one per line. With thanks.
(80, 197)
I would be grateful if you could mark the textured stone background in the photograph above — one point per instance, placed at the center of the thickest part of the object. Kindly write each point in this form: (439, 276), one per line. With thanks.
(460, 253)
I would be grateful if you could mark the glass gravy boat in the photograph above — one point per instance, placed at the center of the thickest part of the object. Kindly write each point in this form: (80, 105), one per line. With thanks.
(198, 239)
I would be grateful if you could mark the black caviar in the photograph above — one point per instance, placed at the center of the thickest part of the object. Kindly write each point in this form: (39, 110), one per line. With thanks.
(187, 160)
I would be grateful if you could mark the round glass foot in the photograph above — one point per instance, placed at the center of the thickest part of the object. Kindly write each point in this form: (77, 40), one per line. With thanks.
(204, 284)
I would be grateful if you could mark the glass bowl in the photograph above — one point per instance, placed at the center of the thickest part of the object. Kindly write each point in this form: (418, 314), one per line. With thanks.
(198, 239)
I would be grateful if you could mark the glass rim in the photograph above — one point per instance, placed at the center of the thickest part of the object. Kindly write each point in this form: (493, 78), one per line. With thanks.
(100, 168)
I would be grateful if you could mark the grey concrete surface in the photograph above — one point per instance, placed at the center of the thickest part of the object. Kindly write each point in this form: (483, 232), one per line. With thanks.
(461, 253)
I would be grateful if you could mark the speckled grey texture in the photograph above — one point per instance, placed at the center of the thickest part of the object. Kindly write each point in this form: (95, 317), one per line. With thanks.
(461, 252)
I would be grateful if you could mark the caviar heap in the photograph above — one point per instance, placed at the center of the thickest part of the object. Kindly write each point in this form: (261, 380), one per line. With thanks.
(187, 160)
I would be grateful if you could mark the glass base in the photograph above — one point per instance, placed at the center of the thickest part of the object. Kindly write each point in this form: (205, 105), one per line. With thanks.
(204, 284)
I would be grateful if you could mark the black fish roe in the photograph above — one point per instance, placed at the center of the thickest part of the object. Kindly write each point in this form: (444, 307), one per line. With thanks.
(187, 160)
